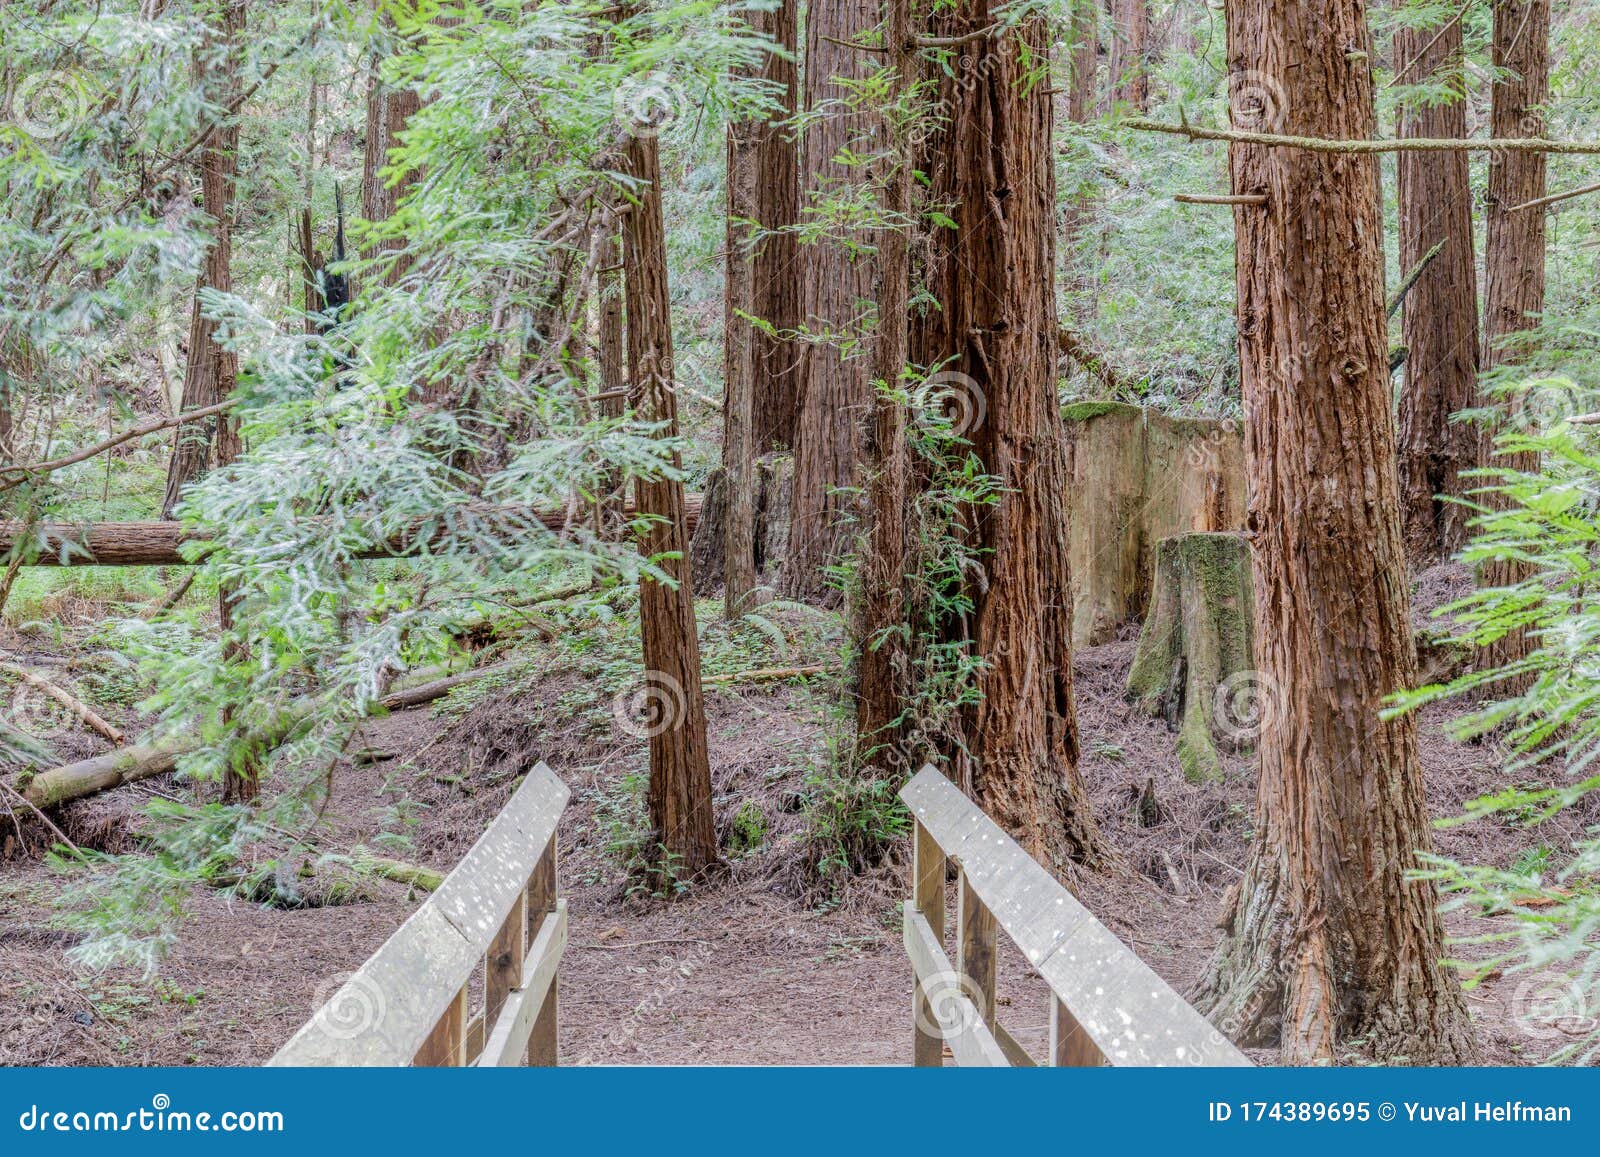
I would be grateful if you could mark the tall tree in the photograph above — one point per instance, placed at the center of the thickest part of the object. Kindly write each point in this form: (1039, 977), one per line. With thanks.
(212, 370)
(1514, 240)
(837, 283)
(775, 263)
(389, 107)
(679, 795)
(1327, 936)
(1440, 323)
(995, 341)
(883, 675)
(760, 405)
(1129, 71)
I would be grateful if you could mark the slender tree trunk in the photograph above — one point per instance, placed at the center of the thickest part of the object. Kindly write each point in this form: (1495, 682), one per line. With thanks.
(212, 371)
(1514, 246)
(883, 672)
(1085, 59)
(1441, 310)
(679, 795)
(994, 276)
(739, 371)
(837, 291)
(610, 353)
(775, 266)
(1327, 937)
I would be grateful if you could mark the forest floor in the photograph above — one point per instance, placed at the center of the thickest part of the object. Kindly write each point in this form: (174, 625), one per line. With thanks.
(771, 967)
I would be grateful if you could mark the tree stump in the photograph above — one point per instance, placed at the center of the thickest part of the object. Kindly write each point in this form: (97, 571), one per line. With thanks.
(1193, 665)
(774, 496)
(1138, 476)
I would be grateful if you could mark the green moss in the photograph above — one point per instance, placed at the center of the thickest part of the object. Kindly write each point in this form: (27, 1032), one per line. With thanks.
(1083, 411)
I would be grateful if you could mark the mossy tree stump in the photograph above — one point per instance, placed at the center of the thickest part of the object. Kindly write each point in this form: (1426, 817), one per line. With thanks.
(1193, 665)
(1137, 476)
(774, 495)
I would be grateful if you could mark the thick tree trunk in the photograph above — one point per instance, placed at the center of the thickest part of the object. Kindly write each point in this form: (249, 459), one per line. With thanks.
(211, 371)
(679, 796)
(994, 277)
(1327, 937)
(837, 292)
(883, 672)
(776, 264)
(1514, 244)
(1441, 309)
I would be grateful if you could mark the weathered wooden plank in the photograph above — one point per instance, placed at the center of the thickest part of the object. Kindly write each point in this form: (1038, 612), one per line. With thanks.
(502, 967)
(927, 897)
(1016, 1055)
(446, 1046)
(959, 1022)
(477, 896)
(543, 1045)
(976, 955)
(1070, 1046)
(508, 1038)
(385, 1012)
(1129, 1013)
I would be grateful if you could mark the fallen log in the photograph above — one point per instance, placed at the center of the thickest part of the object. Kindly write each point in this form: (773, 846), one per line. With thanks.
(104, 772)
(439, 688)
(160, 543)
(67, 699)
(416, 875)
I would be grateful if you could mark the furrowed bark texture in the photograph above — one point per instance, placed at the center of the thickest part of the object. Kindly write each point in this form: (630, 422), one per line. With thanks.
(211, 371)
(837, 293)
(1440, 324)
(775, 266)
(739, 374)
(994, 277)
(883, 674)
(1514, 246)
(679, 795)
(1327, 938)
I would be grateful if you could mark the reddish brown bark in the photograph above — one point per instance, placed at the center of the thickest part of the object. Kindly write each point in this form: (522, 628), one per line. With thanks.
(679, 795)
(388, 110)
(837, 289)
(1129, 72)
(883, 674)
(212, 371)
(775, 264)
(994, 277)
(1327, 937)
(1440, 323)
(1514, 243)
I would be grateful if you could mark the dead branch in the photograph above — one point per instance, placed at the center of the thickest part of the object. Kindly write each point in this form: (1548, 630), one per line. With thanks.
(14, 476)
(64, 697)
(1408, 145)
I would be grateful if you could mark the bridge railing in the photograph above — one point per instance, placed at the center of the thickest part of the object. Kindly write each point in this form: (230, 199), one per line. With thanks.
(498, 911)
(1107, 1007)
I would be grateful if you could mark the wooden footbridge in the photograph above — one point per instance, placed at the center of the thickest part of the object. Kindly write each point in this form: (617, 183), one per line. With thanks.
(471, 977)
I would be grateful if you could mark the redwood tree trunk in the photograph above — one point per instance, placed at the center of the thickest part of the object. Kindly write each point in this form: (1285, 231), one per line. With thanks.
(1441, 310)
(837, 289)
(1130, 72)
(994, 277)
(883, 674)
(1327, 938)
(1514, 242)
(388, 110)
(775, 265)
(211, 372)
(679, 796)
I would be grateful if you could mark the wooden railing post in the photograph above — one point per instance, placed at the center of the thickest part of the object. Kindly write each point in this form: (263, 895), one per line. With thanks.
(1070, 1046)
(975, 956)
(446, 1046)
(927, 897)
(502, 967)
(541, 906)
